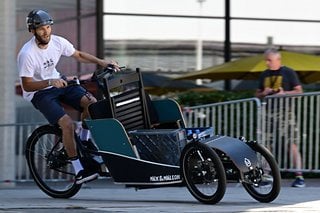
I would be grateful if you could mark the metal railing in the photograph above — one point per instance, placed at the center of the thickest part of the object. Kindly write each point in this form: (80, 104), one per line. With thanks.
(233, 118)
(21, 131)
(250, 118)
(291, 119)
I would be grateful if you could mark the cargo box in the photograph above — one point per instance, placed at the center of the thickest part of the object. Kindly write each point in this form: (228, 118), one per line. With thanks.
(159, 145)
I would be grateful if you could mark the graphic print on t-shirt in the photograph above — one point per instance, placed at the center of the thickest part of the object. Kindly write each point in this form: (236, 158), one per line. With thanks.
(274, 82)
(48, 63)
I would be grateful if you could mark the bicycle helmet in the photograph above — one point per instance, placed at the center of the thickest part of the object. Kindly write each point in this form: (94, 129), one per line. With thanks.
(38, 18)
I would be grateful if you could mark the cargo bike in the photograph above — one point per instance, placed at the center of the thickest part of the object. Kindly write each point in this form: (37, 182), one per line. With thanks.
(144, 144)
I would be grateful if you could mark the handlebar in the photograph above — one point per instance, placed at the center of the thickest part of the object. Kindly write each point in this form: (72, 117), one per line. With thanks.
(73, 82)
(97, 76)
(106, 72)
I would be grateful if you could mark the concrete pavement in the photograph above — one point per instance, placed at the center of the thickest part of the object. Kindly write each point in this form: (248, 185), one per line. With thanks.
(104, 196)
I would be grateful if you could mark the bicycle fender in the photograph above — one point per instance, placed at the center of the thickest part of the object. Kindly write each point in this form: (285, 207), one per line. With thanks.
(243, 157)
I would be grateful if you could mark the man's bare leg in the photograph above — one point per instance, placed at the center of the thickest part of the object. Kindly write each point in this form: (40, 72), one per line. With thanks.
(67, 126)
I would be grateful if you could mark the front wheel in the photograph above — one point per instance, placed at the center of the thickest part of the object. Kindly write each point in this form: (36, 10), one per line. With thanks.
(267, 176)
(49, 164)
(203, 173)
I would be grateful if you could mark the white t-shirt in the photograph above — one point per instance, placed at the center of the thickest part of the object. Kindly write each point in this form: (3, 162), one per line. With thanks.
(40, 64)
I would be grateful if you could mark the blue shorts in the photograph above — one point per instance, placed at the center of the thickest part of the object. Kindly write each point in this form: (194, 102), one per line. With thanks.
(48, 101)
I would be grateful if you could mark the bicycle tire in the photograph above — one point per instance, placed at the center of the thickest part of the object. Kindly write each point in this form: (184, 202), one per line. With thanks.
(203, 173)
(48, 163)
(266, 190)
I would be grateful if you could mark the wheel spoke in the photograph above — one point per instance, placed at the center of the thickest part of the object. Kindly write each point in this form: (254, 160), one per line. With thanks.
(263, 183)
(48, 163)
(203, 173)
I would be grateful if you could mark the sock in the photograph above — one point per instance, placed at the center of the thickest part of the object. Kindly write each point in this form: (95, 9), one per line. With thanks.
(77, 165)
(84, 134)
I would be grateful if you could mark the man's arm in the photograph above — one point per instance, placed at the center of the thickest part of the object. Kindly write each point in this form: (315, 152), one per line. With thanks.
(262, 93)
(296, 90)
(30, 85)
(294, 80)
(268, 91)
(88, 58)
(259, 93)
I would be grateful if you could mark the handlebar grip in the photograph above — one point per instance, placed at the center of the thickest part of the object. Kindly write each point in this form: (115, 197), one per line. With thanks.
(106, 72)
(74, 81)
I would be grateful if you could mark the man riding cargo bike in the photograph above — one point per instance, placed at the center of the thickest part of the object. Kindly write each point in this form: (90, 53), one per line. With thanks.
(42, 83)
(137, 152)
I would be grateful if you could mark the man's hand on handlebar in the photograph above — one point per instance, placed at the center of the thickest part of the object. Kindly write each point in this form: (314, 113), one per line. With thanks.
(106, 72)
(64, 81)
(112, 68)
(110, 62)
(59, 83)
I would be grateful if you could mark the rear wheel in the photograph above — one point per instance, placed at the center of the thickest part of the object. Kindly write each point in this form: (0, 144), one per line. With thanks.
(48, 163)
(267, 179)
(203, 173)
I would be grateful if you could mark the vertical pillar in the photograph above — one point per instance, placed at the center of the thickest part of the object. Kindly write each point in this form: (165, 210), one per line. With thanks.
(227, 43)
(8, 72)
(199, 49)
(199, 41)
(79, 35)
(99, 33)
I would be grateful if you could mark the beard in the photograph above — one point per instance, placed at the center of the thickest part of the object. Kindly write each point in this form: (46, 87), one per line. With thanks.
(42, 41)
